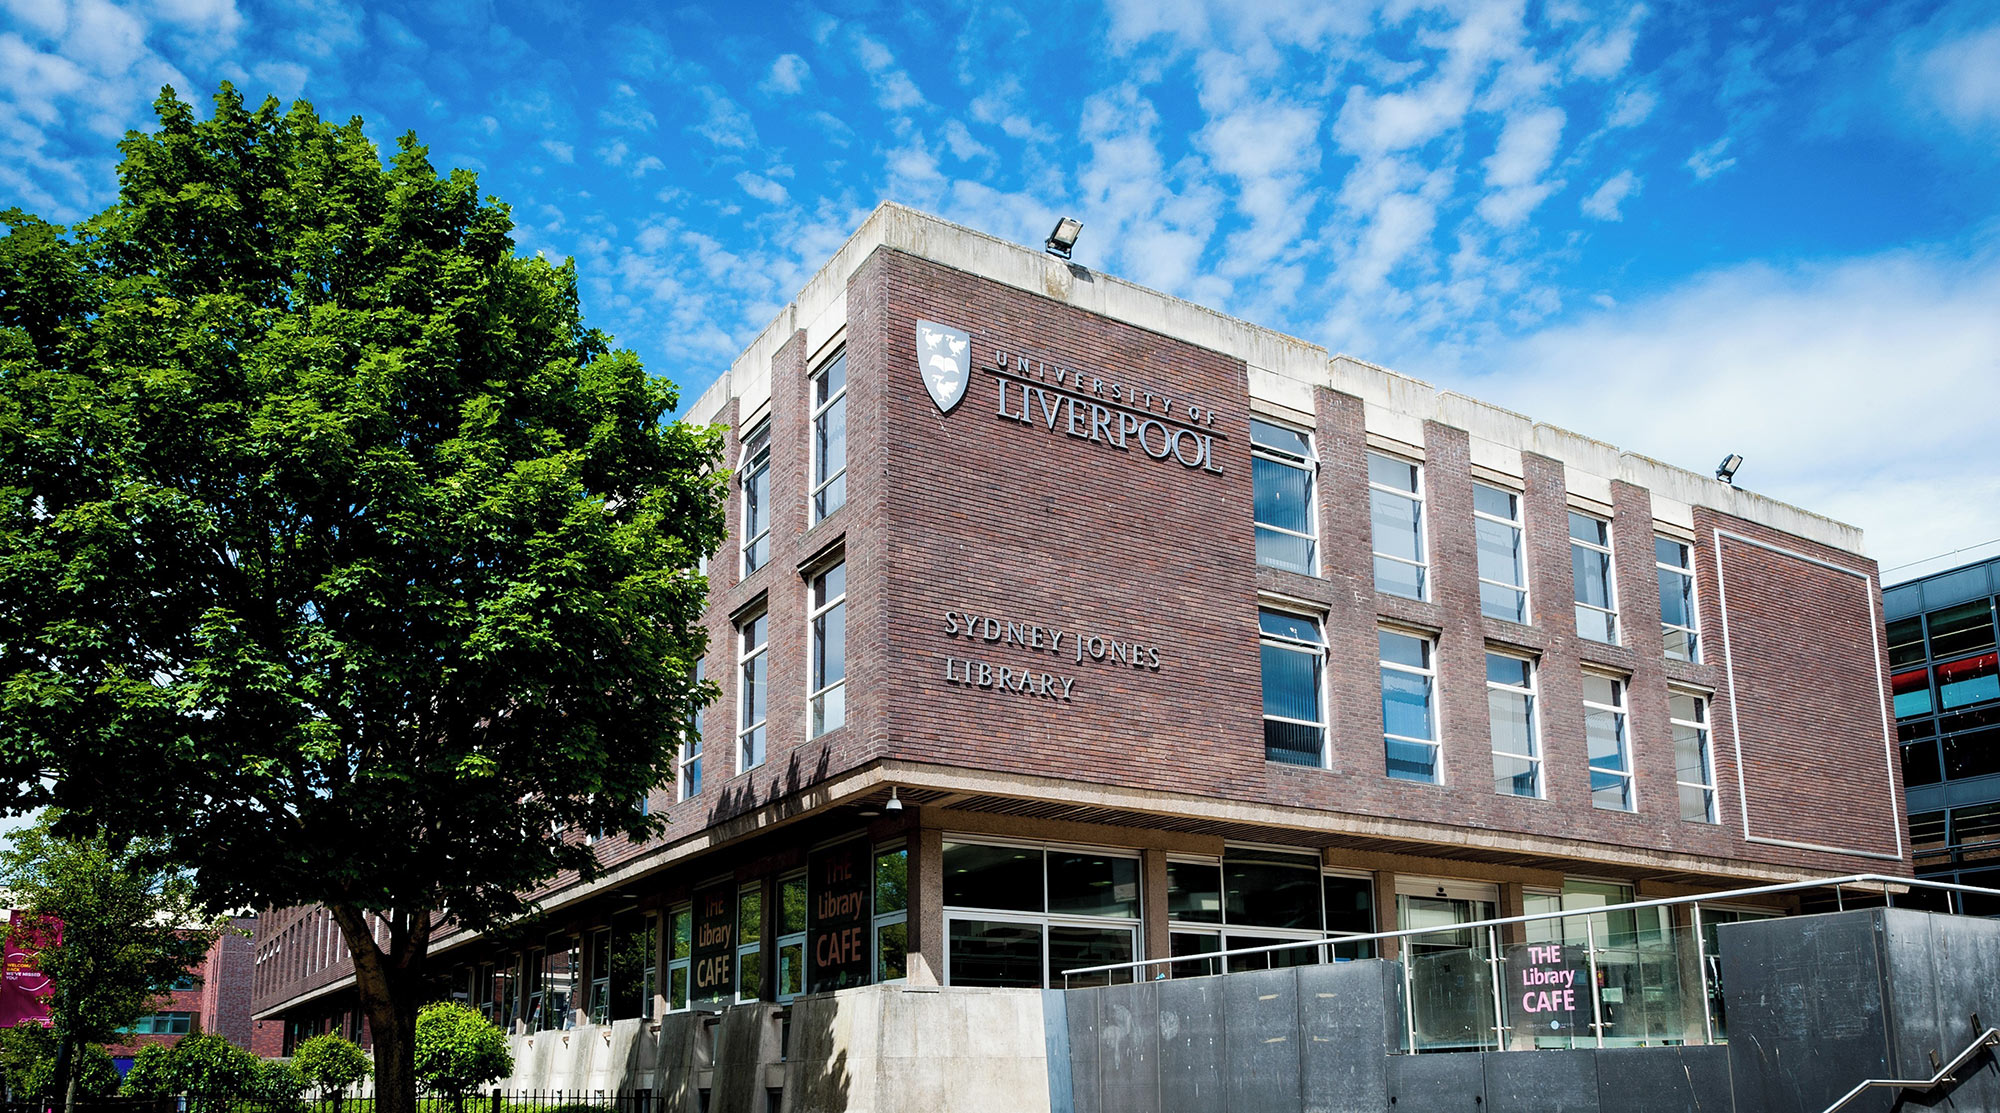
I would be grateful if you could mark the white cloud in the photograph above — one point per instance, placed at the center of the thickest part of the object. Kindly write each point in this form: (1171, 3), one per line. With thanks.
(1526, 147)
(788, 75)
(963, 146)
(726, 123)
(1603, 202)
(1962, 77)
(1858, 389)
(1605, 53)
(1631, 108)
(894, 90)
(762, 188)
(561, 152)
(1708, 162)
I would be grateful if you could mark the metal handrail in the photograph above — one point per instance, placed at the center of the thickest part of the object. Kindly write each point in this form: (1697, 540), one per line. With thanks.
(1836, 883)
(1985, 1039)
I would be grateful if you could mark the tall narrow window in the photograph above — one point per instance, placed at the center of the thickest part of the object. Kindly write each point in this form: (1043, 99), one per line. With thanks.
(1294, 664)
(755, 470)
(829, 393)
(752, 695)
(791, 937)
(690, 776)
(1503, 561)
(1610, 753)
(1409, 723)
(1510, 706)
(680, 950)
(750, 943)
(1590, 559)
(829, 648)
(891, 920)
(1677, 621)
(600, 976)
(1396, 515)
(1694, 765)
(1281, 469)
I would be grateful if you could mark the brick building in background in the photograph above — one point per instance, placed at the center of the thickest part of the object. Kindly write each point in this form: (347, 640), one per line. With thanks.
(1061, 622)
(214, 997)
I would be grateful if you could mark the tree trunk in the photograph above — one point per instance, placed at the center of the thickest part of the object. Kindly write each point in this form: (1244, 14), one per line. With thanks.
(63, 1085)
(390, 987)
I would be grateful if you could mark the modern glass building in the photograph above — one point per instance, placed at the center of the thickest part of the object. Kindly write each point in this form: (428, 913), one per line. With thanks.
(1946, 679)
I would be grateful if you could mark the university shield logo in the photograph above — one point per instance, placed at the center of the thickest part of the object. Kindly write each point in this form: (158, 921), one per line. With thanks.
(944, 355)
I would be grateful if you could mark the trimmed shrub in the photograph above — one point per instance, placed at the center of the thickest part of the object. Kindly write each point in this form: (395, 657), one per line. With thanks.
(458, 1049)
(330, 1063)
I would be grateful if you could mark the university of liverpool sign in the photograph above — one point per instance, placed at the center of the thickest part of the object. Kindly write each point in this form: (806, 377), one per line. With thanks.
(1067, 401)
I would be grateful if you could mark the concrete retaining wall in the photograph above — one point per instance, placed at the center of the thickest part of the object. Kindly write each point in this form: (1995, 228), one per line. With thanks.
(873, 1049)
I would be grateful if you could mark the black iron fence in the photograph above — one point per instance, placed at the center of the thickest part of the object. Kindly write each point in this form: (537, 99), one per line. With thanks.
(482, 1101)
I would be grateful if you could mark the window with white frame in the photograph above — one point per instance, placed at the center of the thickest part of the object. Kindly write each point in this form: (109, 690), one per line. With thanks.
(689, 779)
(754, 471)
(890, 923)
(829, 395)
(791, 928)
(1694, 764)
(1396, 519)
(1610, 751)
(680, 950)
(1294, 652)
(1503, 558)
(829, 648)
(1281, 469)
(1019, 915)
(1409, 713)
(750, 943)
(600, 976)
(1677, 614)
(752, 691)
(1596, 591)
(1510, 708)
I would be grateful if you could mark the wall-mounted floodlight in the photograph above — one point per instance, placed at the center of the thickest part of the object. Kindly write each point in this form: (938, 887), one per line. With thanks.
(1064, 237)
(1726, 471)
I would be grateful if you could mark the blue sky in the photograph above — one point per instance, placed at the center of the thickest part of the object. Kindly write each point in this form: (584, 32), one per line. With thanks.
(1685, 228)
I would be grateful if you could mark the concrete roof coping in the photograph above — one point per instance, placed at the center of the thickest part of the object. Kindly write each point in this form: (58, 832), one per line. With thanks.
(898, 227)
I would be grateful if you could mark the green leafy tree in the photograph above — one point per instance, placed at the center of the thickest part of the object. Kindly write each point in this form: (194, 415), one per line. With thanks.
(28, 1063)
(458, 1049)
(329, 1063)
(335, 549)
(130, 930)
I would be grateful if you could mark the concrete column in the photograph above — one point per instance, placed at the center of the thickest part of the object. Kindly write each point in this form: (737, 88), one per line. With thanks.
(1385, 914)
(1153, 908)
(926, 912)
(1513, 902)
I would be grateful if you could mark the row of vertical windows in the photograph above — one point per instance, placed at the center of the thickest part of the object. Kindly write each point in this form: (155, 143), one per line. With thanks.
(1945, 678)
(827, 672)
(1283, 468)
(1294, 668)
(829, 463)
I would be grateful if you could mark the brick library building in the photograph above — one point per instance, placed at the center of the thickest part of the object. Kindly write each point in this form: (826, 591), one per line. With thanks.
(1063, 623)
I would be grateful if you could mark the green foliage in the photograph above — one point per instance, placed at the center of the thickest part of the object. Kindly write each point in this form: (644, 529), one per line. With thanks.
(328, 1062)
(204, 1064)
(335, 548)
(457, 1049)
(337, 553)
(129, 930)
(278, 1081)
(151, 1073)
(28, 1062)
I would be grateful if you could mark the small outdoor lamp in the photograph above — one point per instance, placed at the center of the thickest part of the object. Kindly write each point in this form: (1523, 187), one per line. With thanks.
(894, 804)
(1064, 237)
(1726, 471)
